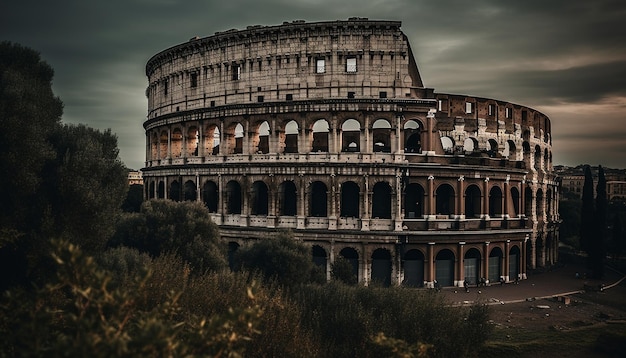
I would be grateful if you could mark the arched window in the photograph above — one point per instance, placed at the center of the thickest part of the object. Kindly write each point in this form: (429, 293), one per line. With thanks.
(350, 199)
(413, 201)
(151, 191)
(350, 136)
(163, 144)
(495, 202)
(537, 164)
(381, 201)
(174, 193)
(448, 145)
(211, 140)
(472, 202)
(210, 196)
(161, 190)
(414, 268)
(262, 141)
(320, 136)
(539, 203)
(444, 268)
(288, 199)
(514, 201)
(259, 198)
(381, 133)
(495, 265)
(509, 149)
(352, 256)
(154, 146)
(445, 200)
(412, 137)
(471, 263)
(189, 191)
(239, 133)
(492, 149)
(192, 142)
(381, 267)
(291, 137)
(470, 145)
(233, 197)
(318, 202)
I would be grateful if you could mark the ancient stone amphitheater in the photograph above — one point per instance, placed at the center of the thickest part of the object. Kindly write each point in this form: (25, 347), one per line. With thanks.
(326, 129)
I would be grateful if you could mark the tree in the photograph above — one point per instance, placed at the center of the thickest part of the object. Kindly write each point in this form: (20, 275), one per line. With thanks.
(281, 257)
(134, 198)
(165, 226)
(587, 213)
(597, 248)
(342, 270)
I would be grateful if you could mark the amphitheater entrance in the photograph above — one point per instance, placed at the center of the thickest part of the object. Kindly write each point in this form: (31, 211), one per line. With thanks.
(319, 257)
(471, 266)
(444, 268)
(352, 257)
(514, 263)
(495, 265)
(414, 268)
(381, 267)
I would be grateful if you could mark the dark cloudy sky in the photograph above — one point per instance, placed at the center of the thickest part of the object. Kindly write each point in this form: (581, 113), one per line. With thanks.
(566, 58)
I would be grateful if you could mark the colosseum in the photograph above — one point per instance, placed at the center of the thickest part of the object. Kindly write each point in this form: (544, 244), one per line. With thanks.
(327, 130)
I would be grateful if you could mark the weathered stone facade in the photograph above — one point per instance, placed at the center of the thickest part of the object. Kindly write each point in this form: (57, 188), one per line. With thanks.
(326, 129)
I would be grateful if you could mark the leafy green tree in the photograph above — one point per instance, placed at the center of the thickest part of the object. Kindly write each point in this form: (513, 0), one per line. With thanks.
(281, 257)
(134, 198)
(165, 226)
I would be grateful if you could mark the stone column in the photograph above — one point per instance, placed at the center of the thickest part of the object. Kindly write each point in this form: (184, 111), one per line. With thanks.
(461, 264)
(461, 197)
(430, 199)
(486, 199)
(430, 266)
(485, 269)
(365, 217)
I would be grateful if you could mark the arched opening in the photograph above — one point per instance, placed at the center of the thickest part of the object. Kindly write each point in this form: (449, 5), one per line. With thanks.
(163, 145)
(514, 263)
(352, 256)
(175, 189)
(233, 197)
(189, 191)
(414, 268)
(318, 199)
(539, 208)
(444, 268)
(210, 196)
(211, 140)
(495, 202)
(492, 148)
(291, 137)
(381, 267)
(262, 142)
(445, 200)
(259, 198)
(381, 135)
(514, 201)
(161, 190)
(239, 133)
(537, 164)
(192, 142)
(381, 201)
(320, 136)
(470, 145)
(232, 251)
(448, 145)
(350, 136)
(472, 202)
(413, 201)
(495, 265)
(549, 210)
(509, 149)
(151, 189)
(350, 200)
(413, 137)
(471, 266)
(288, 199)
(177, 143)
(320, 258)
(528, 202)
(154, 146)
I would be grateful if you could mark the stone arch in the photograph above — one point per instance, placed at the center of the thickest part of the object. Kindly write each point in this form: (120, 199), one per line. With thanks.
(161, 190)
(318, 199)
(189, 191)
(549, 203)
(537, 163)
(471, 266)
(151, 190)
(163, 139)
(233, 197)
(174, 192)
(381, 135)
(211, 139)
(237, 139)
(210, 196)
(154, 146)
(350, 200)
(381, 267)
(381, 201)
(495, 201)
(288, 198)
(193, 137)
(448, 145)
(444, 268)
(320, 131)
(444, 203)
(291, 137)
(412, 136)
(473, 202)
(528, 202)
(413, 201)
(351, 136)
(352, 256)
(492, 148)
(261, 138)
(514, 263)
(413, 268)
(259, 198)
(515, 197)
(177, 143)
(495, 264)
(320, 257)
(510, 150)
(539, 202)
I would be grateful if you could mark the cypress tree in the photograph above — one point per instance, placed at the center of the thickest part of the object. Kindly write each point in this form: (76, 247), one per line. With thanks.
(598, 245)
(587, 213)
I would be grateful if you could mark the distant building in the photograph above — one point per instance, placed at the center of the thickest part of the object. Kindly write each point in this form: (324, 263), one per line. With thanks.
(326, 129)
(135, 177)
(573, 180)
